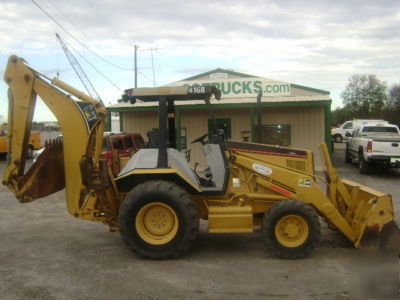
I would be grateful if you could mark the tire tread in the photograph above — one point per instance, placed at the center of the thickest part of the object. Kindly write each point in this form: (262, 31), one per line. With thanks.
(269, 221)
(182, 199)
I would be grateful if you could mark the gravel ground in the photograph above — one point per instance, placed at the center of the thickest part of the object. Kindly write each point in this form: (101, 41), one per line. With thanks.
(47, 254)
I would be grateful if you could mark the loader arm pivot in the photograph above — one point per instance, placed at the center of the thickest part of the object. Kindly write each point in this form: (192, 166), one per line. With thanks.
(81, 120)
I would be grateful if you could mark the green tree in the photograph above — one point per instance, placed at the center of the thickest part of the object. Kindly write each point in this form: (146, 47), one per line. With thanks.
(394, 96)
(365, 96)
(392, 111)
(341, 115)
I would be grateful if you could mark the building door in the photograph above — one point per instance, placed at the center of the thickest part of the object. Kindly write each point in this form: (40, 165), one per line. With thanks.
(224, 124)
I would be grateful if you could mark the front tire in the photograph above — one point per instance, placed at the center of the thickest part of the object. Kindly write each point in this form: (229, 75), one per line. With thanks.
(158, 220)
(338, 138)
(291, 229)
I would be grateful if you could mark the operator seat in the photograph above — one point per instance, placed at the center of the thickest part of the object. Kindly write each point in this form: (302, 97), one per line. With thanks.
(215, 162)
(214, 151)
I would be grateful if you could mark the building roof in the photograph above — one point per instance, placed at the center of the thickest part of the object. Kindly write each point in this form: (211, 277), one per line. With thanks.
(240, 88)
(253, 100)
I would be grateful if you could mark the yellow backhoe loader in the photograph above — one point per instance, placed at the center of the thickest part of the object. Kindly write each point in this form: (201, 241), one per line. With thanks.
(157, 199)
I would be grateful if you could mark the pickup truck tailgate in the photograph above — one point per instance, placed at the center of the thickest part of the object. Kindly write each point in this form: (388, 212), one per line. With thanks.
(386, 146)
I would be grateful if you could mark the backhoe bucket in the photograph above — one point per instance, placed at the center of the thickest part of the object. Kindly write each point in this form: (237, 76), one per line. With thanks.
(45, 176)
(370, 214)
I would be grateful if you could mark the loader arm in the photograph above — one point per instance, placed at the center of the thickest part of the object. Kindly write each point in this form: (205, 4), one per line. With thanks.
(82, 126)
(364, 215)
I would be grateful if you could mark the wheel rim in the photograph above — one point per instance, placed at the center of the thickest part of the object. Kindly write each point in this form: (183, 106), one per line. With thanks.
(157, 223)
(291, 231)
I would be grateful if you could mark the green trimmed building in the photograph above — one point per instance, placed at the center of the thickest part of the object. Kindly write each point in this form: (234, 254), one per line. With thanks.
(293, 115)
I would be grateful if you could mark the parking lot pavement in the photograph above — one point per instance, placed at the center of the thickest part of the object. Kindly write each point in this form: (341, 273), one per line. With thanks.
(45, 253)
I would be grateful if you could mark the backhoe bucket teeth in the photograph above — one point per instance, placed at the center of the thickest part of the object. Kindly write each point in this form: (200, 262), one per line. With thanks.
(45, 176)
(370, 214)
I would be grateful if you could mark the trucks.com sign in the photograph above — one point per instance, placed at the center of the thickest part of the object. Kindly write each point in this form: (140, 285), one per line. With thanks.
(243, 87)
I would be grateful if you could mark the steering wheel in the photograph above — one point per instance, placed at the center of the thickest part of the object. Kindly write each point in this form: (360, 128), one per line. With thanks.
(200, 139)
(187, 154)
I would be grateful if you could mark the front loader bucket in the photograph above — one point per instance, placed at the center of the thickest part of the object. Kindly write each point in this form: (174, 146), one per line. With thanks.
(45, 176)
(370, 214)
(367, 212)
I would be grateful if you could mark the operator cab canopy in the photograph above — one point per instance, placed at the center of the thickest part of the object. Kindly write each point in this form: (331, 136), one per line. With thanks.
(158, 163)
(171, 93)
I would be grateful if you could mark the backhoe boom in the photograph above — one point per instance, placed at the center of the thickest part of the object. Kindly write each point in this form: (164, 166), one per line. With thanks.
(81, 120)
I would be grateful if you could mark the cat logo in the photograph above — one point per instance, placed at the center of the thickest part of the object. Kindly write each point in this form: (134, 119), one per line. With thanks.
(305, 182)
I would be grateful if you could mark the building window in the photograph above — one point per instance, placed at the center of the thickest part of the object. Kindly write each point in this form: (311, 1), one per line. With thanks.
(276, 135)
(224, 124)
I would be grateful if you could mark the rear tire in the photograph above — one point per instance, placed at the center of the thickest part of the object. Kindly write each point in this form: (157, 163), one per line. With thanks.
(291, 229)
(158, 220)
(363, 166)
(29, 151)
(347, 157)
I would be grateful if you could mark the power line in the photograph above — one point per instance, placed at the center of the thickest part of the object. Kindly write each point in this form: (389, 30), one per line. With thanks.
(73, 24)
(99, 15)
(145, 77)
(73, 37)
(57, 66)
(78, 70)
(152, 65)
(67, 18)
(151, 49)
(90, 64)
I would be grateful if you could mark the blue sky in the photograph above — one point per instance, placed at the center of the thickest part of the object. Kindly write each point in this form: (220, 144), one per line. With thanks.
(319, 44)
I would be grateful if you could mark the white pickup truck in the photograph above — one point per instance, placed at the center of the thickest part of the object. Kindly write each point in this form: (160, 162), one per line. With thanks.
(374, 145)
(341, 133)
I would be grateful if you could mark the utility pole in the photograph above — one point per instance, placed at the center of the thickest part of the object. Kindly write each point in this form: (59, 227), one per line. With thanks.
(136, 47)
(151, 49)
(152, 65)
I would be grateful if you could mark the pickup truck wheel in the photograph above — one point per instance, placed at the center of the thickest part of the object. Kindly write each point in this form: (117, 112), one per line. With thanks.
(347, 157)
(291, 229)
(338, 138)
(29, 152)
(158, 220)
(363, 166)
